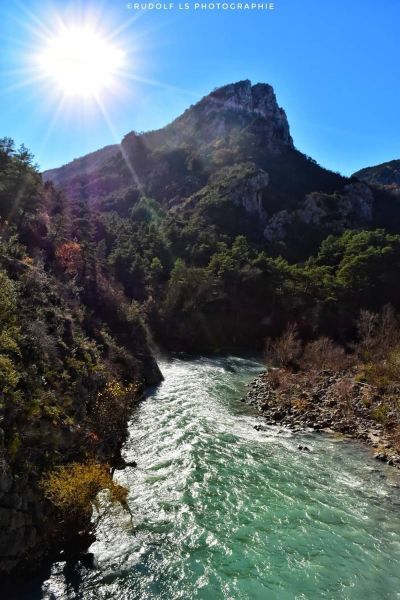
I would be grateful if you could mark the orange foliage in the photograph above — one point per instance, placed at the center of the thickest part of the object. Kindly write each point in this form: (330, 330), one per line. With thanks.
(73, 488)
(69, 256)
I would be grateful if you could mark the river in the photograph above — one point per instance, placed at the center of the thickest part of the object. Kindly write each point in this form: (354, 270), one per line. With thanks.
(222, 511)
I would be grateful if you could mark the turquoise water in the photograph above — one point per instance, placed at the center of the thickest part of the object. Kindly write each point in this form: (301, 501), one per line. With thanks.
(222, 511)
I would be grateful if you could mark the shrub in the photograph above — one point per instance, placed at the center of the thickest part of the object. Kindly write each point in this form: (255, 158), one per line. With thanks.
(112, 408)
(73, 489)
(395, 438)
(323, 354)
(69, 256)
(379, 333)
(384, 374)
(286, 350)
(301, 404)
(343, 392)
(274, 378)
(380, 413)
(286, 380)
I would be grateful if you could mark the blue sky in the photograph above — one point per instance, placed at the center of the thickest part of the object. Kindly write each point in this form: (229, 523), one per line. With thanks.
(334, 66)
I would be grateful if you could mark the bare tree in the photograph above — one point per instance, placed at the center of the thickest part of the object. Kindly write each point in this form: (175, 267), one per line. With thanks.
(286, 350)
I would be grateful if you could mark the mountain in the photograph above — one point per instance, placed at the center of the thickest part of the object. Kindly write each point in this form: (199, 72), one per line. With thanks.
(238, 105)
(235, 142)
(238, 123)
(196, 216)
(81, 166)
(387, 173)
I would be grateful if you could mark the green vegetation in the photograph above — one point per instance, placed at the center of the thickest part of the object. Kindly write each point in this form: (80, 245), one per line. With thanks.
(81, 281)
(73, 353)
(197, 279)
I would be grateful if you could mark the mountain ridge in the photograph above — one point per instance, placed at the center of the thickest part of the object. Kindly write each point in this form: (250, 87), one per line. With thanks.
(239, 123)
(258, 99)
(387, 173)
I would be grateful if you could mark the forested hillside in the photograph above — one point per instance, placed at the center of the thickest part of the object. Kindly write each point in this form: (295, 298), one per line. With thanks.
(73, 357)
(220, 230)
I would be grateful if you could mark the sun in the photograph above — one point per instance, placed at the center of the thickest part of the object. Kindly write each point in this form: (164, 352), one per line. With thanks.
(80, 61)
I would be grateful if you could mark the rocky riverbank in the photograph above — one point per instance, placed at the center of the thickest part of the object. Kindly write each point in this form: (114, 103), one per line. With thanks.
(325, 401)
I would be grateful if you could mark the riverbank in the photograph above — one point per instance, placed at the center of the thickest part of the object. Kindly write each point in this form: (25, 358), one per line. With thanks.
(326, 401)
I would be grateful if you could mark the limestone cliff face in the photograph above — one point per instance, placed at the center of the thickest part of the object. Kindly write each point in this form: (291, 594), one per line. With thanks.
(251, 195)
(27, 525)
(255, 100)
(243, 186)
(247, 191)
(237, 105)
(327, 213)
(29, 528)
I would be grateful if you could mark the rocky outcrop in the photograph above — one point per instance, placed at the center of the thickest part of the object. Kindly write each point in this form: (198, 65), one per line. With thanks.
(251, 101)
(247, 192)
(30, 529)
(326, 213)
(242, 185)
(251, 197)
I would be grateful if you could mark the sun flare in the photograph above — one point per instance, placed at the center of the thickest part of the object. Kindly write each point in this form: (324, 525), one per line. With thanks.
(81, 62)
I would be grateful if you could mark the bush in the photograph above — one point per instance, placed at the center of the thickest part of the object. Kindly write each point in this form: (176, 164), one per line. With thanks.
(343, 392)
(73, 488)
(69, 256)
(380, 413)
(112, 408)
(284, 351)
(323, 354)
(395, 438)
(301, 404)
(379, 334)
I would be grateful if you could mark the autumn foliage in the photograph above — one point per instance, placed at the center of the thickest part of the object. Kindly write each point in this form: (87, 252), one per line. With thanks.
(69, 256)
(73, 489)
(112, 408)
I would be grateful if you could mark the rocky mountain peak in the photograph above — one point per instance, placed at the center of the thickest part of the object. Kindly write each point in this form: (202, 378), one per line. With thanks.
(242, 95)
(251, 103)
(242, 119)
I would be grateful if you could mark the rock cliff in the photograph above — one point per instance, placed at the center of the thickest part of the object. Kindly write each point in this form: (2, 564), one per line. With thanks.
(326, 214)
(241, 105)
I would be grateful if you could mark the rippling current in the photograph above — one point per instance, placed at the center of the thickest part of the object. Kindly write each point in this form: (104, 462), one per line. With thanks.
(221, 511)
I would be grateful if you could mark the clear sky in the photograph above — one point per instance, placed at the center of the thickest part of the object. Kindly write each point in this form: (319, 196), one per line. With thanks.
(334, 66)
